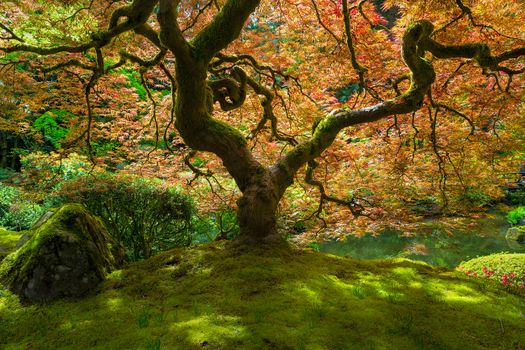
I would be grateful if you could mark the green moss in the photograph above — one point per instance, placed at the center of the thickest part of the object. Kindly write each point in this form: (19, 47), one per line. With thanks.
(272, 297)
(221, 128)
(8, 240)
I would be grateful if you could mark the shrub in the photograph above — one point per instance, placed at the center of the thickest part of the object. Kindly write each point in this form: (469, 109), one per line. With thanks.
(506, 269)
(17, 213)
(49, 124)
(145, 216)
(515, 196)
(515, 216)
(45, 171)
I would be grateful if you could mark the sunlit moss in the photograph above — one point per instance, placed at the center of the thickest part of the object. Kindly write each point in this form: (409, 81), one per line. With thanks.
(216, 329)
(8, 240)
(272, 297)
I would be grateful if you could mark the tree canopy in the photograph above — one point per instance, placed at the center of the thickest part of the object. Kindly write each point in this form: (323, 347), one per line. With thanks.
(375, 107)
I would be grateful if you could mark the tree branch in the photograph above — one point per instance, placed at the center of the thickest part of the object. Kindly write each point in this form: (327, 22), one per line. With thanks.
(170, 33)
(12, 34)
(361, 71)
(225, 27)
(137, 13)
(422, 76)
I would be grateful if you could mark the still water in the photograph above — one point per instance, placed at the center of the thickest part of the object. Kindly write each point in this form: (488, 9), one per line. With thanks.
(440, 242)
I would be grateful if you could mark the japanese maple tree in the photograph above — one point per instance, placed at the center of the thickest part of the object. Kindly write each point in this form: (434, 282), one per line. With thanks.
(269, 86)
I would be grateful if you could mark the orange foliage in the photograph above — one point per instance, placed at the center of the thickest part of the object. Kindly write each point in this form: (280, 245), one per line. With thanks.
(451, 156)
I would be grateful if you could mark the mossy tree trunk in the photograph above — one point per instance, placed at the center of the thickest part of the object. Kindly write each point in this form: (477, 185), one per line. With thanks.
(261, 187)
(194, 108)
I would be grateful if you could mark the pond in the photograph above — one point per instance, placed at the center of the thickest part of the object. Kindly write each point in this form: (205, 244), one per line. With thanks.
(439, 242)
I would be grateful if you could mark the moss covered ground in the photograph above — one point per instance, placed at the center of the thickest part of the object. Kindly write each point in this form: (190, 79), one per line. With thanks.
(8, 240)
(273, 297)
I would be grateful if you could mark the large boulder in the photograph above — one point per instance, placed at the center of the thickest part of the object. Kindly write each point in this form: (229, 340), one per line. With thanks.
(68, 255)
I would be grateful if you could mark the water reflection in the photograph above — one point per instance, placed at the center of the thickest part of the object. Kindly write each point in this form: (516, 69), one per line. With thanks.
(436, 243)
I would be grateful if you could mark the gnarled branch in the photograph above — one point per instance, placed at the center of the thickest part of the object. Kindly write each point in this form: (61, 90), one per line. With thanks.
(230, 92)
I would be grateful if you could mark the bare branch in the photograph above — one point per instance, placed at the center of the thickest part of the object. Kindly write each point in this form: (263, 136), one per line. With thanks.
(197, 16)
(75, 14)
(361, 71)
(318, 15)
(467, 12)
(230, 92)
(12, 34)
(268, 114)
(372, 25)
(197, 172)
(356, 208)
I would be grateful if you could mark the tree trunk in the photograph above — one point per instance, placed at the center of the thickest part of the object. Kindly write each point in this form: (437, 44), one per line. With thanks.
(257, 210)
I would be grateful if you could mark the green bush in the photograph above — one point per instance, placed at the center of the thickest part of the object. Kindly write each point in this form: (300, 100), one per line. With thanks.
(50, 125)
(17, 213)
(46, 171)
(515, 216)
(7, 196)
(515, 196)
(145, 216)
(505, 269)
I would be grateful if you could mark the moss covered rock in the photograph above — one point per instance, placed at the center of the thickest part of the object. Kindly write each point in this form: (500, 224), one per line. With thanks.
(66, 256)
(516, 237)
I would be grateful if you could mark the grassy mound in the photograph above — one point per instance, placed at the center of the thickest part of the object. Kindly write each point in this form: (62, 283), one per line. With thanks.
(508, 269)
(215, 297)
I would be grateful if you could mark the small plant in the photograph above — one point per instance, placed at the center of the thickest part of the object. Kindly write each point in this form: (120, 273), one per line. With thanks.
(515, 196)
(50, 125)
(476, 197)
(315, 246)
(143, 320)
(153, 344)
(515, 216)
